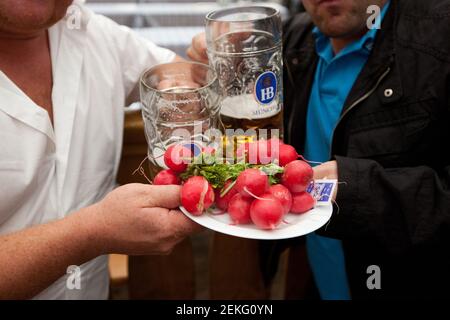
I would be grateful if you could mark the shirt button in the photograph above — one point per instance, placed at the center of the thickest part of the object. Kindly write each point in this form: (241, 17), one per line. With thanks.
(295, 61)
(388, 93)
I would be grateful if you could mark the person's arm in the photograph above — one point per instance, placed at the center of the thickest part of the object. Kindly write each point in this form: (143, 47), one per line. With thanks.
(32, 259)
(399, 208)
(133, 219)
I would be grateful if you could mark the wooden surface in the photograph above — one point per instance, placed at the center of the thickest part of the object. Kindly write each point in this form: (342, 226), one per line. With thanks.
(133, 152)
(118, 269)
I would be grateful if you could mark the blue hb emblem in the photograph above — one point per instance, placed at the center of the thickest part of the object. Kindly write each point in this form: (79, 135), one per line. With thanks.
(266, 87)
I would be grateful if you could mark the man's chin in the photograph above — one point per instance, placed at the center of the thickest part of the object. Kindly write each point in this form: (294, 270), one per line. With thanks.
(26, 27)
(24, 17)
(338, 28)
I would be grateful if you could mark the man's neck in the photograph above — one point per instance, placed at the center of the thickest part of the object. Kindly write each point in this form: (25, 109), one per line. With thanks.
(340, 43)
(13, 46)
(25, 59)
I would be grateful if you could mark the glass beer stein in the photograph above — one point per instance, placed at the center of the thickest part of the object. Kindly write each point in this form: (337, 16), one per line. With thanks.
(244, 48)
(180, 102)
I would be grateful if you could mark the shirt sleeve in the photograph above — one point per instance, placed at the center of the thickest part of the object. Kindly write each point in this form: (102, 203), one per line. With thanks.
(135, 53)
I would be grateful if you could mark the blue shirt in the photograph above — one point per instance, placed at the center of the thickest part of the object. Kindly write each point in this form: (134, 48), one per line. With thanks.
(334, 78)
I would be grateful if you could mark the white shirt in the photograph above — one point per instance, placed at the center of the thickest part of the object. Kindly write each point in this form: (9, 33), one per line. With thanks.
(48, 172)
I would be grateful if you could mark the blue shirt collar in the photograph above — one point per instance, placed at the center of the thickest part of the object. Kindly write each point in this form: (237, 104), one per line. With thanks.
(363, 45)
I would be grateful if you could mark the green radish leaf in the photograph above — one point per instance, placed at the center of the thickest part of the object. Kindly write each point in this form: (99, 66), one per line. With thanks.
(217, 173)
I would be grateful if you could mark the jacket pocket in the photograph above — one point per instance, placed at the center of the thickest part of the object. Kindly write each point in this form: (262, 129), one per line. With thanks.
(388, 134)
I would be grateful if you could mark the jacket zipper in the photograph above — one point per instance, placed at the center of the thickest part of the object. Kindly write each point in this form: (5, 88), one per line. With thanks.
(356, 103)
(290, 123)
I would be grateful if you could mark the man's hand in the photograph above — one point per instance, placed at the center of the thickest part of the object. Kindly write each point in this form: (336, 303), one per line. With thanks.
(140, 219)
(197, 50)
(327, 170)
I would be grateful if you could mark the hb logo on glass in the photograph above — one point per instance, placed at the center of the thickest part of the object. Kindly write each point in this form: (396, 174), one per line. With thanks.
(266, 87)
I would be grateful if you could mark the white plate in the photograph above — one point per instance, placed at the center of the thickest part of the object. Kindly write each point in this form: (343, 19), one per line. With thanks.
(294, 225)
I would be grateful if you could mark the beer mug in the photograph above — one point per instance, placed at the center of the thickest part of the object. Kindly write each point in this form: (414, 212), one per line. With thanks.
(244, 48)
(180, 102)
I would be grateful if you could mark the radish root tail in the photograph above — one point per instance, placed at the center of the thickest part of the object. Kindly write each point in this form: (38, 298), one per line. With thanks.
(337, 206)
(255, 196)
(338, 210)
(141, 170)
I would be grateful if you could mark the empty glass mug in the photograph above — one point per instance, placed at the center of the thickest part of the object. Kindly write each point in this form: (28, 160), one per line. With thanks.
(180, 102)
(244, 47)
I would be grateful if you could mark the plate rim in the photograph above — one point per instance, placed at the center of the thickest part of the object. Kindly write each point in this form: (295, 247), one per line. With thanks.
(275, 236)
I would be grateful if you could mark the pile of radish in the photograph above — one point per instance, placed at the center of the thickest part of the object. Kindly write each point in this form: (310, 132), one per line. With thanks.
(245, 191)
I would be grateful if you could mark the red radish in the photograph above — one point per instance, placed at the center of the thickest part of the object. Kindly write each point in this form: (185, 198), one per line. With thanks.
(302, 202)
(282, 194)
(239, 209)
(222, 202)
(177, 157)
(287, 154)
(166, 177)
(197, 195)
(251, 182)
(297, 176)
(267, 212)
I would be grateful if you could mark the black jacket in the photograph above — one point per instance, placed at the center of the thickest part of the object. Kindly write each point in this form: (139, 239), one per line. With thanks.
(392, 145)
